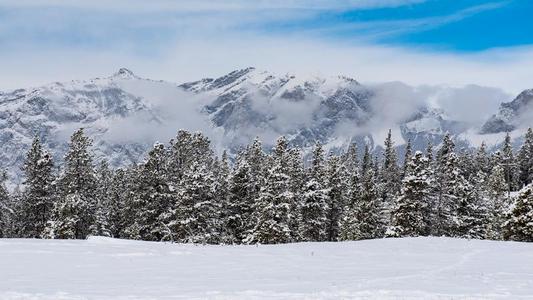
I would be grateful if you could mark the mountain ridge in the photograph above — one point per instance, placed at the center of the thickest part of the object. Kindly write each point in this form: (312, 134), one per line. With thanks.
(238, 106)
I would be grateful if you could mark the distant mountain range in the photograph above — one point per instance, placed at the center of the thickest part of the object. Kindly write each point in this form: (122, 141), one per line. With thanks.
(125, 114)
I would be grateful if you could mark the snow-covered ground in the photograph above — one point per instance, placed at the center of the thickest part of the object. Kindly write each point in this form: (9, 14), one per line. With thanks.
(410, 268)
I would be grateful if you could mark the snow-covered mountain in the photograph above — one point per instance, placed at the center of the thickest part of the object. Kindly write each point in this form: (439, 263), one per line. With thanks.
(333, 110)
(53, 111)
(125, 113)
(511, 114)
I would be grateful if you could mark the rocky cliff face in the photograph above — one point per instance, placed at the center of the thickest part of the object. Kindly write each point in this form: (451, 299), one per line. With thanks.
(511, 114)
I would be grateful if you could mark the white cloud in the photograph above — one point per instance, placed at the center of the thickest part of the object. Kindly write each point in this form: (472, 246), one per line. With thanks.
(206, 41)
(190, 59)
(207, 5)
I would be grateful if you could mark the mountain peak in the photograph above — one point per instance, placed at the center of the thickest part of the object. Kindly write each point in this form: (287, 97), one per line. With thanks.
(124, 73)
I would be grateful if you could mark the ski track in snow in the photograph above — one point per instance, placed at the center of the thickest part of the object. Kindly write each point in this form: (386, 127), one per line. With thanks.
(409, 268)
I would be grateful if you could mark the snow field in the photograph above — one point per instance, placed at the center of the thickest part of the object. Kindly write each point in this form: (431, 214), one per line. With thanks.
(408, 268)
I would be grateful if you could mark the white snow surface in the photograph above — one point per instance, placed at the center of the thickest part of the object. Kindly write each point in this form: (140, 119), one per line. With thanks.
(408, 268)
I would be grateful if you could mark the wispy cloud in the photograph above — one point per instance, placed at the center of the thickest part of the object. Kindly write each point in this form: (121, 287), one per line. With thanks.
(207, 5)
(376, 29)
(53, 40)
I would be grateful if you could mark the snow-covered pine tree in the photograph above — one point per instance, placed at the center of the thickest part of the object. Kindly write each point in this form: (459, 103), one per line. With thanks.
(498, 202)
(525, 160)
(447, 189)
(447, 147)
(407, 157)
(336, 183)
(466, 163)
(348, 221)
(472, 213)
(297, 179)
(273, 207)
(411, 209)
(240, 200)
(350, 160)
(258, 163)
(221, 173)
(390, 177)
(429, 152)
(256, 159)
(119, 191)
(104, 178)
(151, 198)
(6, 211)
(73, 212)
(196, 217)
(180, 156)
(367, 162)
(37, 200)
(482, 159)
(185, 149)
(314, 208)
(519, 224)
(509, 164)
(363, 219)
(377, 168)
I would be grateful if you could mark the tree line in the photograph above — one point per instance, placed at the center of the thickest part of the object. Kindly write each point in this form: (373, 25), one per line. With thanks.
(183, 192)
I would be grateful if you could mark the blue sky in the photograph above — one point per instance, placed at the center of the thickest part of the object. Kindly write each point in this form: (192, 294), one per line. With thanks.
(180, 40)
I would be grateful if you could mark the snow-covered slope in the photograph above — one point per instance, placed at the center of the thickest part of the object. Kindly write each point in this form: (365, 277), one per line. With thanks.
(410, 268)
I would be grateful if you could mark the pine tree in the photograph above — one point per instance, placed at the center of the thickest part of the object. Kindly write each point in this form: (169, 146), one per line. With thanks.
(446, 189)
(119, 192)
(350, 159)
(407, 157)
(6, 211)
(336, 183)
(273, 207)
(221, 174)
(509, 164)
(348, 221)
(390, 179)
(314, 208)
(37, 200)
(66, 218)
(498, 202)
(367, 162)
(482, 159)
(195, 216)
(257, 160)
(180, 156)
(73, 213)
(525, 160)
(411, 209)
(362, 218)
(151, 199)
(429, 152)
(104, 177)
(240, 200)
(186, 149)
(297, 178)
(472, 214)
(519, 224)
(466, 163)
